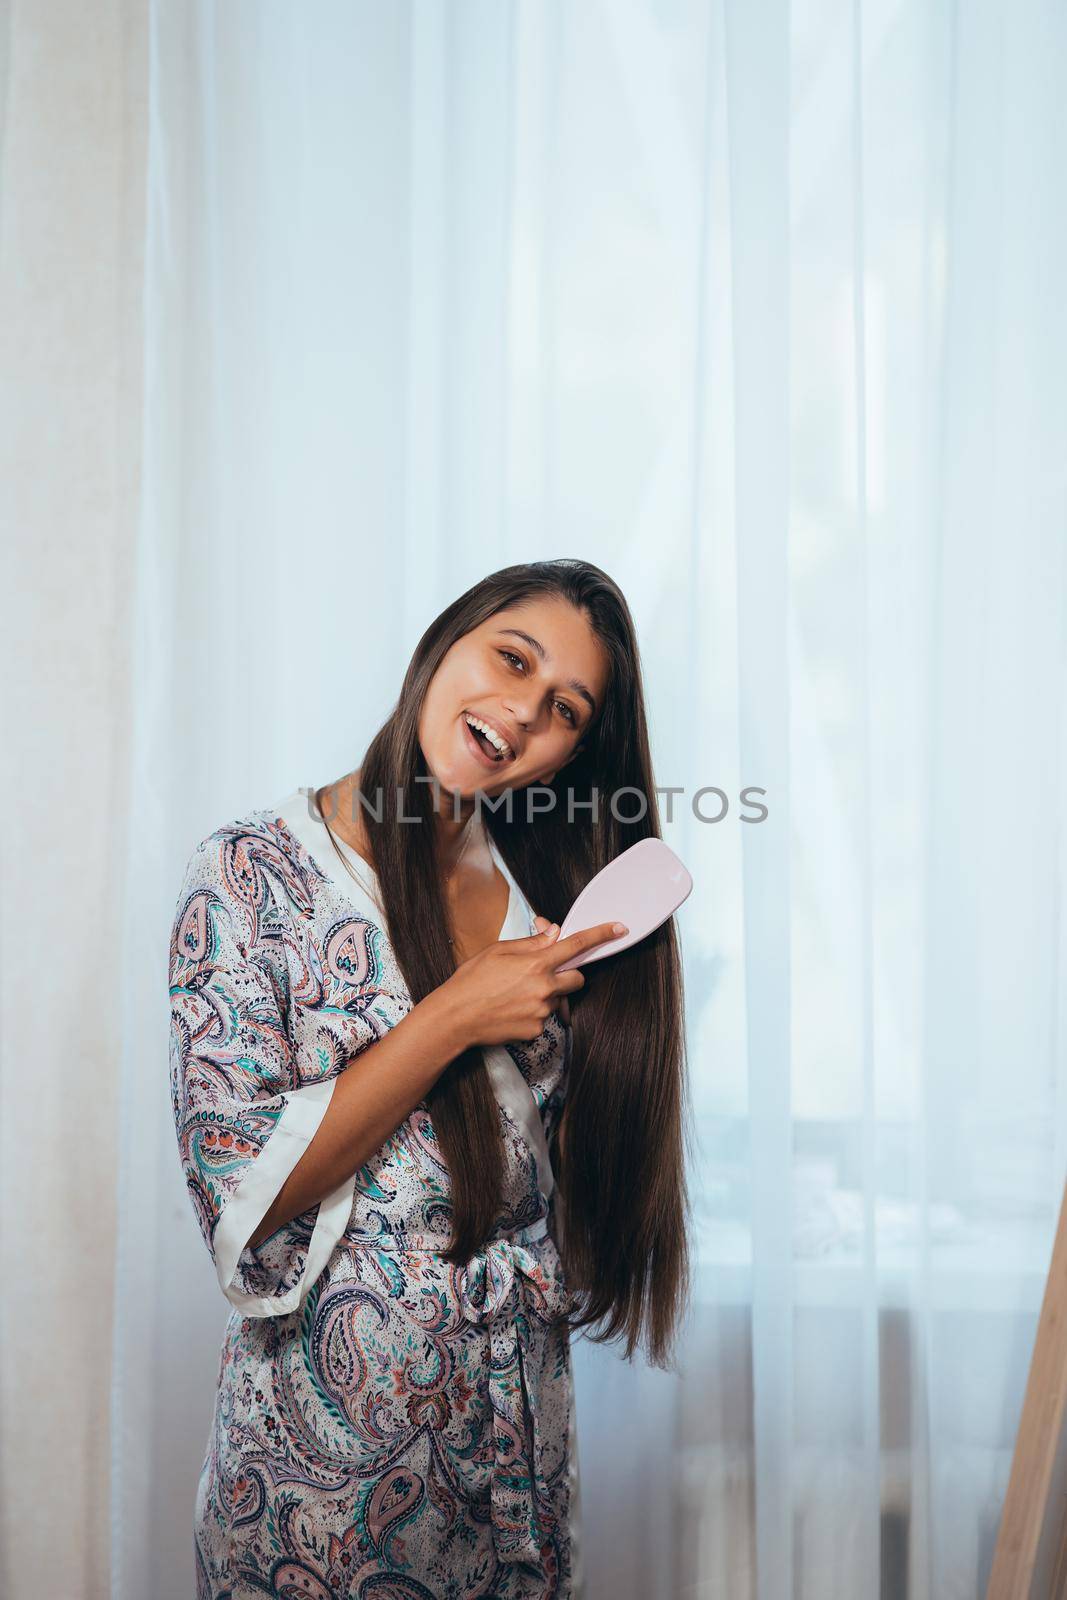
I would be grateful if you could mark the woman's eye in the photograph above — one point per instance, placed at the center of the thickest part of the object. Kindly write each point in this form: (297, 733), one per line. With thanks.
(511, 656)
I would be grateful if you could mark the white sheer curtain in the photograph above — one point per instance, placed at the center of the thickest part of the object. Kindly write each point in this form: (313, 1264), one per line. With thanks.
(72, 149)
(760, 307)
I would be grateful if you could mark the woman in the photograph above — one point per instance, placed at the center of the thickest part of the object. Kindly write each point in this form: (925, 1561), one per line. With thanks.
(371, 1057)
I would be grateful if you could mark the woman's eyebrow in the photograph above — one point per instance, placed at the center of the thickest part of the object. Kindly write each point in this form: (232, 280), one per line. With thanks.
(571, 683)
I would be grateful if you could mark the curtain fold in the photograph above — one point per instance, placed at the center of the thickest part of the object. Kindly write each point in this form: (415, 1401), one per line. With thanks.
(73, 117)
(757, 306)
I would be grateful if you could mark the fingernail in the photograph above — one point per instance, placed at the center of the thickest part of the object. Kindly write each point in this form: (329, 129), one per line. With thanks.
(620, 927)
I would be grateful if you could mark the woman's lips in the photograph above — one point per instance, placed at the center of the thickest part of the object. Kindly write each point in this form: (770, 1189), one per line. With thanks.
(476, 749)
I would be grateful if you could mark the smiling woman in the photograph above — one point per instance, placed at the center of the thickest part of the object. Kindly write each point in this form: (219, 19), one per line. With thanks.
(523, 677)
(372, 1064)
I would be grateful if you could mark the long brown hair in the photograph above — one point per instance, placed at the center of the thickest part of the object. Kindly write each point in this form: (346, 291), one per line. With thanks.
(619, 1151)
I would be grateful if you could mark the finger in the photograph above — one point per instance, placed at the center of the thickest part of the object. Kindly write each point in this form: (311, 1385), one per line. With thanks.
(547, 933)
(565, 982)
(577, 943)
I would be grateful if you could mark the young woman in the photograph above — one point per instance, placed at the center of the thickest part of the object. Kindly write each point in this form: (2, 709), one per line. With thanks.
(419, 1156)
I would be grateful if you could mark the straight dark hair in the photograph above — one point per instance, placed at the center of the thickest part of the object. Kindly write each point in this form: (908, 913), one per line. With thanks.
(619, 1150)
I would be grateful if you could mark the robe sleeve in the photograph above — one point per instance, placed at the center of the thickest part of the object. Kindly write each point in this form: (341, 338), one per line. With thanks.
(242, 1117)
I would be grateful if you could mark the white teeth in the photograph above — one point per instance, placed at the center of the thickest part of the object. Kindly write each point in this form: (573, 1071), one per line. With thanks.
(490, 733)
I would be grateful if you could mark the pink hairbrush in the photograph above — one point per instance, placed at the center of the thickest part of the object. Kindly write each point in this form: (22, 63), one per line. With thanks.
(642, 887)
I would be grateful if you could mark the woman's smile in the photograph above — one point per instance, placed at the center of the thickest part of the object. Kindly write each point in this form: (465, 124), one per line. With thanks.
(479, 746)
(483, 745)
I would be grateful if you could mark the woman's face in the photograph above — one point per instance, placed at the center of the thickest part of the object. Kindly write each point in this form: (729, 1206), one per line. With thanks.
(530, 673)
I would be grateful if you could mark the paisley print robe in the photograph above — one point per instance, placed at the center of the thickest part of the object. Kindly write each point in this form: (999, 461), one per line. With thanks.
(387, 1426)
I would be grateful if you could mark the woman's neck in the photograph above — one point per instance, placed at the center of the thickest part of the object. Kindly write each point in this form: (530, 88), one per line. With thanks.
(456, 835)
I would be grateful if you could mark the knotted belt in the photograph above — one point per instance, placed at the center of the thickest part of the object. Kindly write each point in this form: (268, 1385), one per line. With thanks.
(498, 1287)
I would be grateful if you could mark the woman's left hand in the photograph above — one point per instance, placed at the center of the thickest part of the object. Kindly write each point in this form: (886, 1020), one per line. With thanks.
(540, 924)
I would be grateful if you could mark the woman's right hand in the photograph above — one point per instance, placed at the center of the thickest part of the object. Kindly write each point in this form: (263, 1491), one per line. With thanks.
(507, 991)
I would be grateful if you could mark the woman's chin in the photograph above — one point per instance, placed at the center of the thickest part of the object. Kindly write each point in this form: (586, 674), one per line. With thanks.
(457, 779)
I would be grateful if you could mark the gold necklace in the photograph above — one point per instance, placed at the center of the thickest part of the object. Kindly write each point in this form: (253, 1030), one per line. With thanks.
(450, 874)
(342, 856)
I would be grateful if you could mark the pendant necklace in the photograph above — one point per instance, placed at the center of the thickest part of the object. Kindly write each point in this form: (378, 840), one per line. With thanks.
(342, 855)
(450, 874)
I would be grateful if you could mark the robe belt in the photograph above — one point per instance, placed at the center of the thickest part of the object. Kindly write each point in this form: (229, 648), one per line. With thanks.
(498, 1287)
